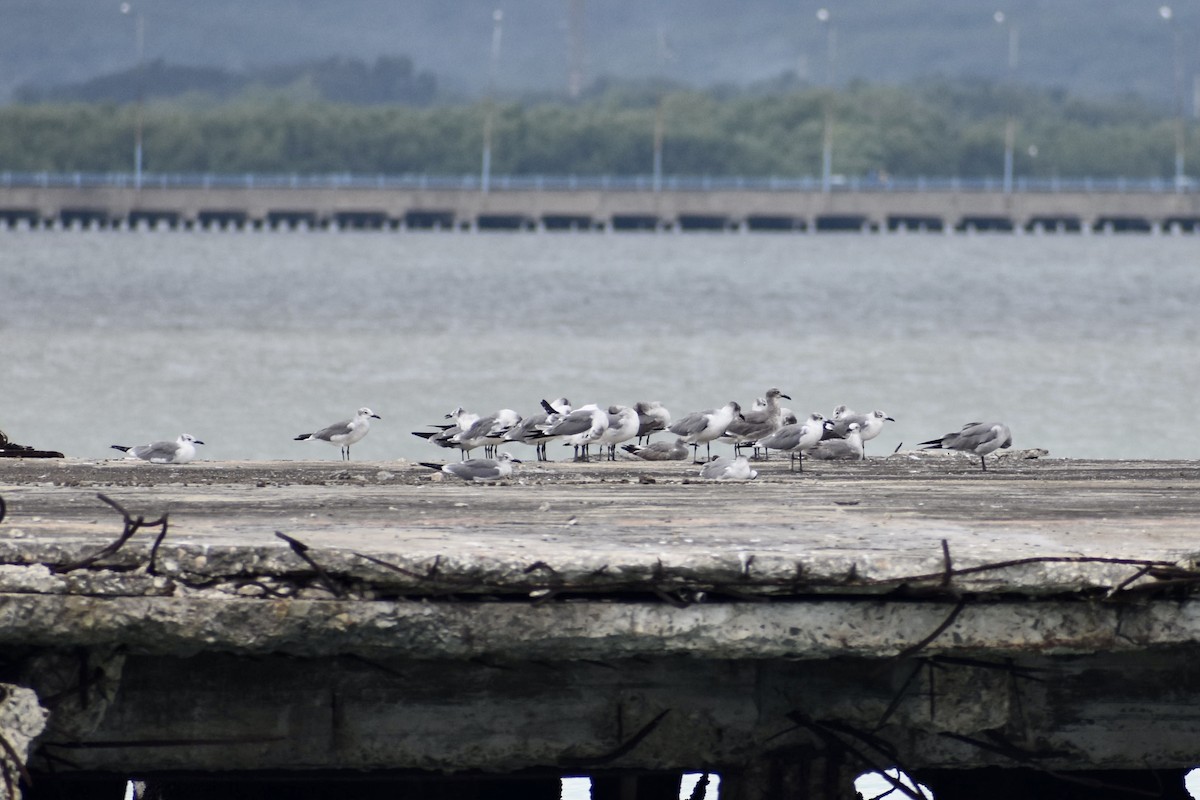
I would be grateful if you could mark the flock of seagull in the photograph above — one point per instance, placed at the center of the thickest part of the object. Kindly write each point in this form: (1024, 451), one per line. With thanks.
(764, 427)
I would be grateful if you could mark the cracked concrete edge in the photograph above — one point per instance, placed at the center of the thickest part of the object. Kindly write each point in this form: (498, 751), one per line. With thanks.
(222, 569)
(593, 630)
(22, 720)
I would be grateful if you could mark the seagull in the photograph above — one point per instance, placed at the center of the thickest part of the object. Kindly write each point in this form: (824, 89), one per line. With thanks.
(531, 429)
(449, 435)
(180, 451)
(580, 428)
(796, 438)
(848, 449)
(623, 425)
(979, 438)
(659, 451)
(489, 431)
(842, 411)
(344, 433)
(652, 416)
(869, 425)
(722, 469)
(701, 427)
(758, 422)
(478, 470)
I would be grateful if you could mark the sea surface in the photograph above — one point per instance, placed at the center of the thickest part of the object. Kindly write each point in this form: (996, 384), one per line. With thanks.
(1085, 345)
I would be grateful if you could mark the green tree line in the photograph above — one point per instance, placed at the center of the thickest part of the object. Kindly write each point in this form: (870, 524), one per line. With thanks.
(947, 129)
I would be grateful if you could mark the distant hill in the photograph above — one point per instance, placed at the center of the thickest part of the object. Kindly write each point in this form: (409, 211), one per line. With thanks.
(1085, 46)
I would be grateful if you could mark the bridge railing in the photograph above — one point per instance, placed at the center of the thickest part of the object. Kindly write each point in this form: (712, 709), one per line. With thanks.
(550, 183)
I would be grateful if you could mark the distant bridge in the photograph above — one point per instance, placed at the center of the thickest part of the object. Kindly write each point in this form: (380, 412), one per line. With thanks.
(82, 200)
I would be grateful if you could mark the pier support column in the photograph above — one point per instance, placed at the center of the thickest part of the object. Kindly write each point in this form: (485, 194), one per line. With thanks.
(798, 774)
(648, 786)
(994, 783)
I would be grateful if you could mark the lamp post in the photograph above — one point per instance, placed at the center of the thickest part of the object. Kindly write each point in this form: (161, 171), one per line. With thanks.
(1168, 15)
(140, 41)
(824, 17)
(1010, 125)
(660, 121)
(486, 171)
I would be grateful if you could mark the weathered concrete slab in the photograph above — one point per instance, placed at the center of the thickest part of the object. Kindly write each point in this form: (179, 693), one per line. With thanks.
(606, 616)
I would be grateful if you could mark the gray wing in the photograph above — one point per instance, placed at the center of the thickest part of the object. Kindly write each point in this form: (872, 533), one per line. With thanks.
(842, 426)
(661, 451)
(691, 424)
(337, 429)
(750, 429)
(481, 427)
(475, 469)
(714, 469)
(158, 451)
(571, 424)
(835, 450)
(785, 438)
(527, 428)
(974, 435)
(648, 424)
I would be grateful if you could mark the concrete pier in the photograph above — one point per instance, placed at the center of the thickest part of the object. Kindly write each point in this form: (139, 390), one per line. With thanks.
(285, 629)
(560, 208)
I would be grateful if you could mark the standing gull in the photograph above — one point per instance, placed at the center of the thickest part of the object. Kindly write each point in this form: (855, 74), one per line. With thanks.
(757, 423)
(580, 428)
(180, 451)
(701, 427)
(448, 435)
(478, 470)
(869, 425)
(652, 416)
(531, 429)
(344, 433)
(796, 438)
(623, 424)
(979, 438)
(489, 431)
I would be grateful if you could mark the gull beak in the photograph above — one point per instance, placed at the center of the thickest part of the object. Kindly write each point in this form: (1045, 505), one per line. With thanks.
(197, 441)
(889, 419)
(376, 416)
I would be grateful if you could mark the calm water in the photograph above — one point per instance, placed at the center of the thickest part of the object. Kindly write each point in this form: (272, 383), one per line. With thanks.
(1085, 345)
